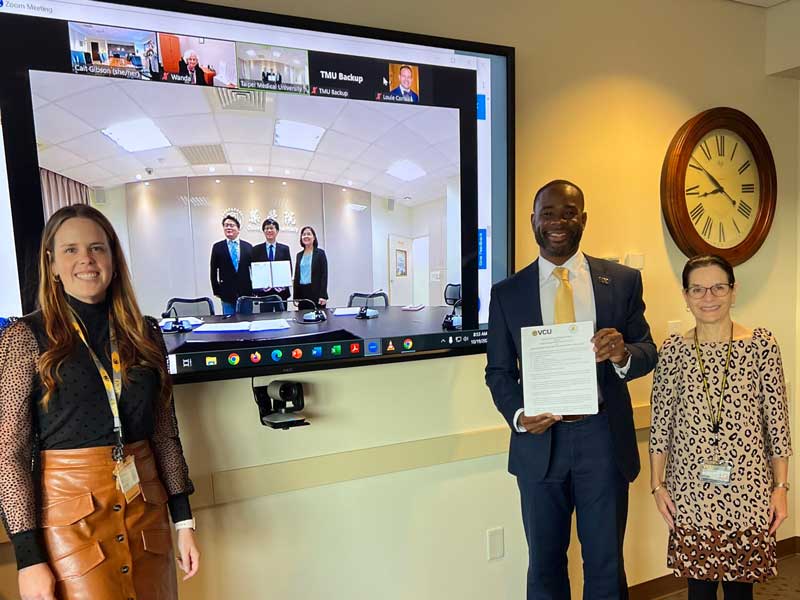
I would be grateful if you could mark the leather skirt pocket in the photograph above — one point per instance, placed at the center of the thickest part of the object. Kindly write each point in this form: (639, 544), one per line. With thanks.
(78, 563)
(153, 492)
(68, 512)
(157, 541)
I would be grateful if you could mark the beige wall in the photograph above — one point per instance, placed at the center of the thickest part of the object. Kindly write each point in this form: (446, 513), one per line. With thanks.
(601, 89)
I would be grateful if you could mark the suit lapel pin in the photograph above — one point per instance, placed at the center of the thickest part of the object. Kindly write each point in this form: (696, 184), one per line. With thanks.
(603, 279)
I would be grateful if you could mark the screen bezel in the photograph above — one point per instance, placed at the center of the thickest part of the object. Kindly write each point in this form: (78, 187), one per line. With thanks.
(22, 157)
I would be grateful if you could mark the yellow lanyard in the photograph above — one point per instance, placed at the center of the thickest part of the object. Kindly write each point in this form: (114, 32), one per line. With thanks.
(715, 418)
(113, 387)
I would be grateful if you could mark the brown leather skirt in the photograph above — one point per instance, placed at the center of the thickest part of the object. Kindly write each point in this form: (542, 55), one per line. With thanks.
(99, 546)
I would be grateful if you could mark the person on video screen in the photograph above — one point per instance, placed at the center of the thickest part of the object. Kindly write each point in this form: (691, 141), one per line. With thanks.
(230, 266)
(190, 65)
(310, 271)
(404, 90)
(272, 250)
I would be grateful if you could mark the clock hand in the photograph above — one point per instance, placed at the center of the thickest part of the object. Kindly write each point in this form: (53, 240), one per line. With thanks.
(709, 175)
(727, 196)
(714, 181)
(711, 193)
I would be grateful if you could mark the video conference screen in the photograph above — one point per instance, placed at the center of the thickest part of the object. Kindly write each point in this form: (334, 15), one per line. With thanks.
(390, 154)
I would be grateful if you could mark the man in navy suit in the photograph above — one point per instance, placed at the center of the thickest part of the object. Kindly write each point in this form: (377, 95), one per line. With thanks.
(230, 266)
(272, 250)
(404, 90)
(581, 463)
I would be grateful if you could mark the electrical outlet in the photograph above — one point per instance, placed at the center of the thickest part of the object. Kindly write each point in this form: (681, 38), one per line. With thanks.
(495, 543)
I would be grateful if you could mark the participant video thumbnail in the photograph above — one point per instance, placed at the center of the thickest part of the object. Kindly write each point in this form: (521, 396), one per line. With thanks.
(403, 83)
(343, 76)
(113, 51)
(272, 68)
(197, 61)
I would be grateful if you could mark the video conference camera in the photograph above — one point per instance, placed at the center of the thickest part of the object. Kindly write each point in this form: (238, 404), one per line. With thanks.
(279, 404)
(452, 321)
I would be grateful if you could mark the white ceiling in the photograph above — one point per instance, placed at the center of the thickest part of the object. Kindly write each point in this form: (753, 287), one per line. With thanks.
(360, 142)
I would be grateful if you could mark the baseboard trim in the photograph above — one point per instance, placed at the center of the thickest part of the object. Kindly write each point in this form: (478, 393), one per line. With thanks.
(669, 584)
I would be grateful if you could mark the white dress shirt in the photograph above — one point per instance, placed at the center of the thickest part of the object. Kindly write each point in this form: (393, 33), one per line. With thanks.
(582, 297)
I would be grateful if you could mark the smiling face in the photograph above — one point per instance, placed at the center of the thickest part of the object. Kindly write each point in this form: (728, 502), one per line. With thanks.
(270, 233)
(708, 308)
(191, 61)
(230, 229)
(406, 77)
(307, 238)
(81, 259)
(558, 221)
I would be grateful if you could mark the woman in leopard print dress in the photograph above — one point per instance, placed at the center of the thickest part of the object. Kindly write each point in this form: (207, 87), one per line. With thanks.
(720, 426)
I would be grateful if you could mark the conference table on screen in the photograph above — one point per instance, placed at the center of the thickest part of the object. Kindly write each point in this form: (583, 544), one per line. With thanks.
(392, 321)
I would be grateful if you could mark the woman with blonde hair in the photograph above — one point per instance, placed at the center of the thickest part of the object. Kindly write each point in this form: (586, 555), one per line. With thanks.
(90, 456)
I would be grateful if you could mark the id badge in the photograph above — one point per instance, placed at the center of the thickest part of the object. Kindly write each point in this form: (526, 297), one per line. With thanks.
(128, 479)
(716, 472)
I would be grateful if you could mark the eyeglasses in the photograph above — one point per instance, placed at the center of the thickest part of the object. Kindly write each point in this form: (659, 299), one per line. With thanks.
(719, 290)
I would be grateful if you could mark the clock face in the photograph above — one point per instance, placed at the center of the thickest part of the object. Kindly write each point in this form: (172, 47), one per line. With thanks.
(722, 188)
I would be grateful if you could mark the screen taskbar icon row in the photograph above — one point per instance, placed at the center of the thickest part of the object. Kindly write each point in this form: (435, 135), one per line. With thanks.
(289, 354)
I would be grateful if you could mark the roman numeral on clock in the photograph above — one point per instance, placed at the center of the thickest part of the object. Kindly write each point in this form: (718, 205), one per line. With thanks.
(707, 227)
(706, 151)
(744, 167)
(744, 209)
(693, 191)
(735, 226)
(720, 145)
(748, 188)
(721, 233)
(735, 146)
(697, 213)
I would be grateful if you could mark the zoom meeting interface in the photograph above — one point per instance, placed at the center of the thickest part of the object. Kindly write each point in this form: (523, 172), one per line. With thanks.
(170, 128)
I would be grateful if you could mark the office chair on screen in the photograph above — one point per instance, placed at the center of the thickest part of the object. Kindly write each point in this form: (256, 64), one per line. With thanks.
(252, 305)
(190, 307)
(452, 293)
(370, 300)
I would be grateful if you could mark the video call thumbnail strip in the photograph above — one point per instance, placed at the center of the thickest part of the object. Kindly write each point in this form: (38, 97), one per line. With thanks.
(119, 52)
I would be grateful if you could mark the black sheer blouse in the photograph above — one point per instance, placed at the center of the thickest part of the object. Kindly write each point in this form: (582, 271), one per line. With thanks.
(78, 416)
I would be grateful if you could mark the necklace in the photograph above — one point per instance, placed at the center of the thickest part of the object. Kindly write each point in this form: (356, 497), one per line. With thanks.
(715, 417)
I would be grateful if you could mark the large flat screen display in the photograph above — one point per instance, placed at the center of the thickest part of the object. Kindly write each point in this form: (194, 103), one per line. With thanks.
(175, 123)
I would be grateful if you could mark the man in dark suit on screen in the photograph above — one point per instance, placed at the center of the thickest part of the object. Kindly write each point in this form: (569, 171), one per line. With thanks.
(272, 250)
(581, 463)
(230, 266)
(404, 90)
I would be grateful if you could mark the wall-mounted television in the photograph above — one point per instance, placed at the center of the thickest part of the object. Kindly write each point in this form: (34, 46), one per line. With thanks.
(395, 148)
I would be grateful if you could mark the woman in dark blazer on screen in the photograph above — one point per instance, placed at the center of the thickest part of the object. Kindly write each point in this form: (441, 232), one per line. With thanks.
(310, 271)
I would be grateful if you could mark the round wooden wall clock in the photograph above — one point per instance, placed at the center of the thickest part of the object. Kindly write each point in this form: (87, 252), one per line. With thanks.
(718, 185)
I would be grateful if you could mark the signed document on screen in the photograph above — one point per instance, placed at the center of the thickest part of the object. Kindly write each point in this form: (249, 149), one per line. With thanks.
(266, 275)
(559, 373)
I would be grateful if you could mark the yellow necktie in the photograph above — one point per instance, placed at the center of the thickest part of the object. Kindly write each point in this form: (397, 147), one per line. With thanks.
(565, 307)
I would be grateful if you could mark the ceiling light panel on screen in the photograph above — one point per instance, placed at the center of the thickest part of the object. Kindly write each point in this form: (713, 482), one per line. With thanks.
(293, 134)
(406, 170)
(137, 135)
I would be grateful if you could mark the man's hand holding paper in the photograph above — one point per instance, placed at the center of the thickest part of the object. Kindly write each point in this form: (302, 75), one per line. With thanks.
(558, 372)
